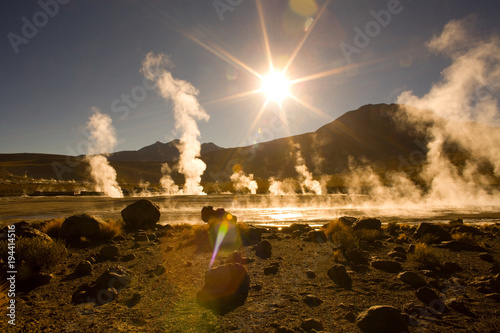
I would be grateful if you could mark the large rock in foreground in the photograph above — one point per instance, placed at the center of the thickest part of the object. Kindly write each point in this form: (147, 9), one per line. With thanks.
(77, 226)
(382, 319)
(142, 214)
(226, 287)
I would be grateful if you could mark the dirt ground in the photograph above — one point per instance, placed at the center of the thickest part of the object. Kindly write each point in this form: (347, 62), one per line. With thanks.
(168, 300)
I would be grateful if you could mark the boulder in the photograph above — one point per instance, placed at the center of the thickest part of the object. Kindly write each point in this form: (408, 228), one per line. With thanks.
(387, 265)
(24, 230)
(263, 250)
(382, 319)
(412, 278)
(142, 214)
(211, 216)
(77, 226)
(226, 287)
(367, 224)
(340, 277)
(434, 229)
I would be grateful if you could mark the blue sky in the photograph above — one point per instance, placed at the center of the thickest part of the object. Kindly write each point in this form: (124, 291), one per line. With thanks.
(89, 54)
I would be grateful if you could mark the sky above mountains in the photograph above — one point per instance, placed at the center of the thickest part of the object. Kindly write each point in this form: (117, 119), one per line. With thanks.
(61, 58)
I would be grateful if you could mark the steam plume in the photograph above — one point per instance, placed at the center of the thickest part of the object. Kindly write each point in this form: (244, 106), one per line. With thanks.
(307, 183)
(102, 141)
(166, 181)
(462, 107)
(277, 187)
(187, 111)
(243, 182)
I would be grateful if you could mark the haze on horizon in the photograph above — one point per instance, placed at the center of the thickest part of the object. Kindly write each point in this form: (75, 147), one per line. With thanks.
(63, 58)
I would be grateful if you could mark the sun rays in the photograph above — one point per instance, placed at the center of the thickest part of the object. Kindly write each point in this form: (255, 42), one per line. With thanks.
(275, 83)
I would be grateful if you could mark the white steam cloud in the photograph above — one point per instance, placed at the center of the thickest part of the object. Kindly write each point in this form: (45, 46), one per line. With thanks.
(187, 111)
(242, 182)
(286, 187)
(166, 181)
(461, 109)
(307, 183)
(102, 141)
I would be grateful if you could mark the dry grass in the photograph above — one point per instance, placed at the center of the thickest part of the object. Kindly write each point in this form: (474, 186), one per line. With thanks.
(337, 256)
(465, 238)
(37, 253)
(342, 235)
(110, 229)
(429, 239)
(424, 257)
(52, 227)
(368, 235)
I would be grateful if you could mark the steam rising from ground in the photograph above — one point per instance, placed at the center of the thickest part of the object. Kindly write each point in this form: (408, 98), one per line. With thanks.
(243, 182)
(187, 111)
(166, 181)
(102, 141)
(463, 104)
(307, 183)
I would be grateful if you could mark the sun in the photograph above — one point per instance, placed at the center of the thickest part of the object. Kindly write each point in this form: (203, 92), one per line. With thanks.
(276, 86)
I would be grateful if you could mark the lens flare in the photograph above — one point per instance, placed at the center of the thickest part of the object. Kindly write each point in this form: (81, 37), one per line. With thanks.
(221, 234)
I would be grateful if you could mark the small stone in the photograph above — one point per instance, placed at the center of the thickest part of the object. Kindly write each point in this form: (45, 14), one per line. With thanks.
(311, 324)
(350, 317)
(109, 252)
(493, 296)
(160, 270)
(141, 237)
(312, 300)
(136, 298)
(399, 249)
(271, 270)
(387, 265)
(397, 255)
(263, 250)
(356, 256)
(129, 257)
(426, 295)
(451, 267)
(83, 268)
(486, 257)
(412, 278)
(310, 274)
(283, 329)
(340, 277)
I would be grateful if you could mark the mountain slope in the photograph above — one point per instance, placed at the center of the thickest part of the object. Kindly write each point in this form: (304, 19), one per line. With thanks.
(369, 133)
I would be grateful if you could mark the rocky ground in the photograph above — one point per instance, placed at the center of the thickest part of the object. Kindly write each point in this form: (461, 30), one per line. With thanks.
(306, 281)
